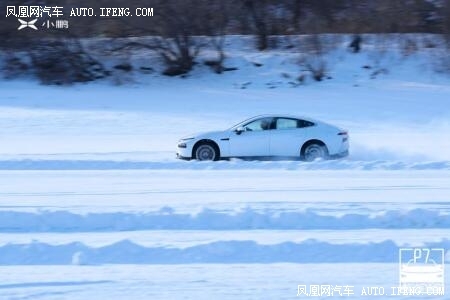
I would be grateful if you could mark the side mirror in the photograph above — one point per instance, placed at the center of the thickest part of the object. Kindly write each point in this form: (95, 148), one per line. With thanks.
(239, 130)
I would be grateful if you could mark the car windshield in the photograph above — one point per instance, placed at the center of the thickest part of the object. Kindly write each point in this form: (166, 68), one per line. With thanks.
(242, 123)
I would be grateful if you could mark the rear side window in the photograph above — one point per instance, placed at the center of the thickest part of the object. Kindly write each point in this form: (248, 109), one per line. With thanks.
(303, 124)
(287, 123)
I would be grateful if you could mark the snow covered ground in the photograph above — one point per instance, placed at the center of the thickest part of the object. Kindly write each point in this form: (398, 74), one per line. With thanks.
(94, 205)
(195, 281)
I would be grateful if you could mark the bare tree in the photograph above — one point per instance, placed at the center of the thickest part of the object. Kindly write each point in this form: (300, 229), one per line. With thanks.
(218, 15)
(312, 58)
(77, 65)
(446, 20)
(174, 34)
(445, 64)
(177, 24)
(258, 12)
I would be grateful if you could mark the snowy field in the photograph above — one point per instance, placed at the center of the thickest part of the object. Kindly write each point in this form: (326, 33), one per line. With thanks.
(94, 204)
(194, 281)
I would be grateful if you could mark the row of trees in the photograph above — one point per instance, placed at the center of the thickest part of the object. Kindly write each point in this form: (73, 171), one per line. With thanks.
(260, 17)
(176, 25)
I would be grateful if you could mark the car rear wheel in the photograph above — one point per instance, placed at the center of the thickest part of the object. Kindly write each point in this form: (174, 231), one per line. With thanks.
(206, 151)
(315, 151)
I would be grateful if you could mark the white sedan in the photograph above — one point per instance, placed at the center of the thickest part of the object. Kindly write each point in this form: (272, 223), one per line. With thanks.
(268, 136)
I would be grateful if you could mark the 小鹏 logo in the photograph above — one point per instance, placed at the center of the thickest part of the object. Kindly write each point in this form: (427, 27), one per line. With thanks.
(25, 24)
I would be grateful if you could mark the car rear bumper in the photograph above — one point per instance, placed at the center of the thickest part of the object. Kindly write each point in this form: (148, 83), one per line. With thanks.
(340, 155)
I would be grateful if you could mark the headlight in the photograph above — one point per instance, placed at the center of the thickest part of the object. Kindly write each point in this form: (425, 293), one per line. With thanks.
(182, 143)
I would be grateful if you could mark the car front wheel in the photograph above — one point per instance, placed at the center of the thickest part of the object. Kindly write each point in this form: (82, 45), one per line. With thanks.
(206, 151)
(315, 151)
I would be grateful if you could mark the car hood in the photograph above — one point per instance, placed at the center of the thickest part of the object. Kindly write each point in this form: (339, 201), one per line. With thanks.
(207, 135)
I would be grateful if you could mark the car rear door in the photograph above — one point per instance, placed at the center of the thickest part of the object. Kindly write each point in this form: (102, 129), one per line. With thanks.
(288, 136)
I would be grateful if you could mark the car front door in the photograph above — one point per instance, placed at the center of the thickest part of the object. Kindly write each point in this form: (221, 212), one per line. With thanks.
(254, 141)
(287, 137)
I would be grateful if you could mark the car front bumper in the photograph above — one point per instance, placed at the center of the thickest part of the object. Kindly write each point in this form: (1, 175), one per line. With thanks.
(184, 150)
(182, 157)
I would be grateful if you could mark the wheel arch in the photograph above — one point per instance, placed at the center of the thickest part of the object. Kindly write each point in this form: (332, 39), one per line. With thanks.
(311, 142)
(205, 141)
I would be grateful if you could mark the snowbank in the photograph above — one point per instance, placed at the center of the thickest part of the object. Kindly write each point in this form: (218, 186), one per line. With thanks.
(126, 252)
(234, 164)
(249, 219)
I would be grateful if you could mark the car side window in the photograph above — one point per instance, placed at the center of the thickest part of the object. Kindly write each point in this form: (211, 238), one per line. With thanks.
(303, 124)
(283, 123)
(259, 125)
(287, 123)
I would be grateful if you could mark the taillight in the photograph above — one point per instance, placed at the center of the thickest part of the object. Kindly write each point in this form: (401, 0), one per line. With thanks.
(344, 135)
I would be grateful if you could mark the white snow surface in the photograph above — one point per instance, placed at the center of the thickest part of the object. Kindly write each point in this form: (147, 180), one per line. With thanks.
(195, 281)
(94, 204)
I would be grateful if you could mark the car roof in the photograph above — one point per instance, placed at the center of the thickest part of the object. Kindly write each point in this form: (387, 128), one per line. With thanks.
(289, 116)
(317, 122)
